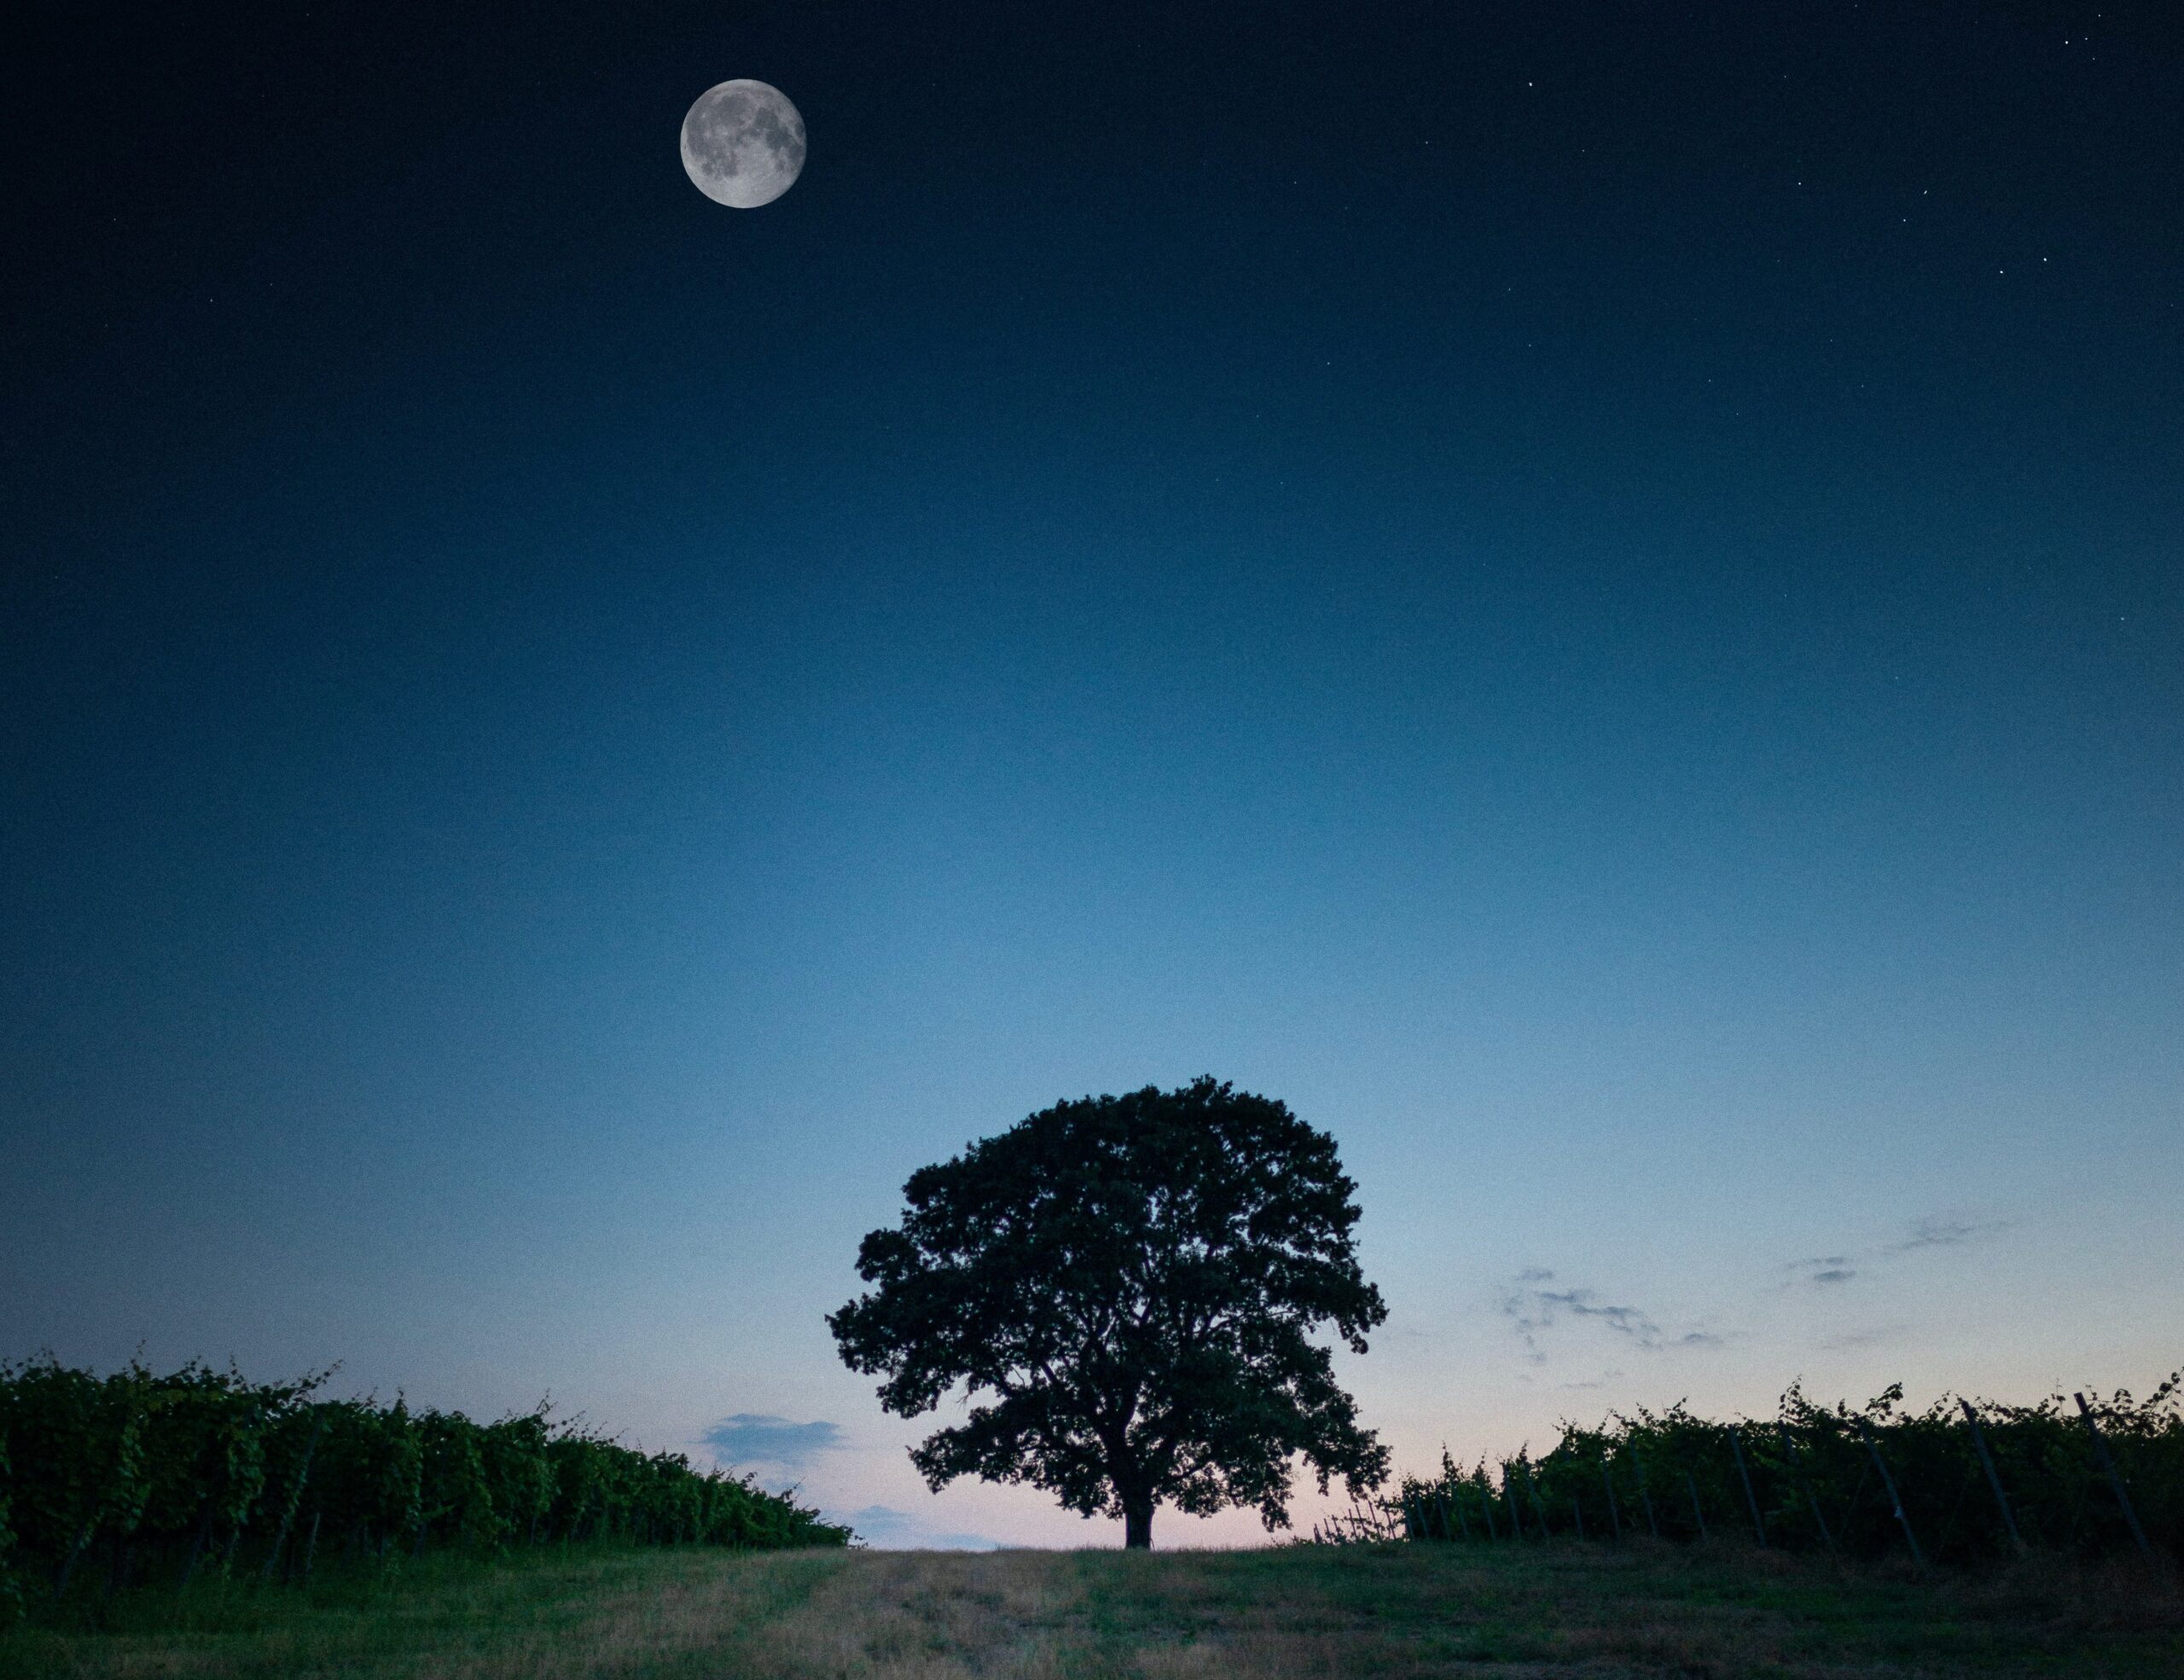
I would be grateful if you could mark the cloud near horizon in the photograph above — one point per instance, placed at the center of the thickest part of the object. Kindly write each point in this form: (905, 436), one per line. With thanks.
(755, 1438)
(890, 1530)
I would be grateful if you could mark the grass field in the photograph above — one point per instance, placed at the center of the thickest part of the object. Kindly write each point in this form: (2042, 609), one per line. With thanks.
(1383, 1611)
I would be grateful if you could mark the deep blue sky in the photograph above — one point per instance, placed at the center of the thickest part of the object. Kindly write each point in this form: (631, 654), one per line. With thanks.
(1590, 597)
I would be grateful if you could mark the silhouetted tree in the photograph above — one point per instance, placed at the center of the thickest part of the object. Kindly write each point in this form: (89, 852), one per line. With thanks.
(1135, 1282)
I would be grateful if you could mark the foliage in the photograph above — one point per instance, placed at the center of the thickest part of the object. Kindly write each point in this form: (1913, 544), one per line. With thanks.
(1812, 1478)
(197, 1470)
(1136, 1280)
(11, 1590)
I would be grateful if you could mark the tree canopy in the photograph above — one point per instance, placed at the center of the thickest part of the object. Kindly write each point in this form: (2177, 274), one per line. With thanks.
(1128, 1287)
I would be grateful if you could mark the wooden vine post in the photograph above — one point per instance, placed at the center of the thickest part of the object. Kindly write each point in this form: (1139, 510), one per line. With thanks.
(1994, 1477)
(1752, 1499)
(1804, 1484)
(1539, 1508)
(1888, 1482)
(2115, 1477)
(1645, 1492)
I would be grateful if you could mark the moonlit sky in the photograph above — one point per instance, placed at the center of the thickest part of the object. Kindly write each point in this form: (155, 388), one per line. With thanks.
(1591, 599)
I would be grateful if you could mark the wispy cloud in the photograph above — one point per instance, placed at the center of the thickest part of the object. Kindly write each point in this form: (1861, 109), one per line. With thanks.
(752, 1438)
(1825, 1271)
(1534, 1309)
(1942, 1233)
(891, 1529)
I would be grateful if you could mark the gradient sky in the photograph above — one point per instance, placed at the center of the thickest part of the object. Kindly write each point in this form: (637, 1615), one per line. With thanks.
(1588, 594)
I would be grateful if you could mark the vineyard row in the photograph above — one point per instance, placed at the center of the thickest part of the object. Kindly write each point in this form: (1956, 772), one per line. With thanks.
(137, 1476)
(1958, 1482)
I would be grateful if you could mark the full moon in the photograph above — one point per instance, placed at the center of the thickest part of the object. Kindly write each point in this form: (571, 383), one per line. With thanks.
(743, 144)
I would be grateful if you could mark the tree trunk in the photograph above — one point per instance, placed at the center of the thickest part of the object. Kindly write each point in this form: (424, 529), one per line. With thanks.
(1138, 1526)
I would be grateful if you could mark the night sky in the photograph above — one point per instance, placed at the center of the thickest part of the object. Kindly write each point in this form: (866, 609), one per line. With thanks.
(1591, 595)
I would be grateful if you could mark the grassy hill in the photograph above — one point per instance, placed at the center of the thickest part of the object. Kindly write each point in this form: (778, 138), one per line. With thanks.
(1282, 1614)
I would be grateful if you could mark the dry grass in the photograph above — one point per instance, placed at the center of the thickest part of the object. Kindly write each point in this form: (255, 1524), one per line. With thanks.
(1300, 1614)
